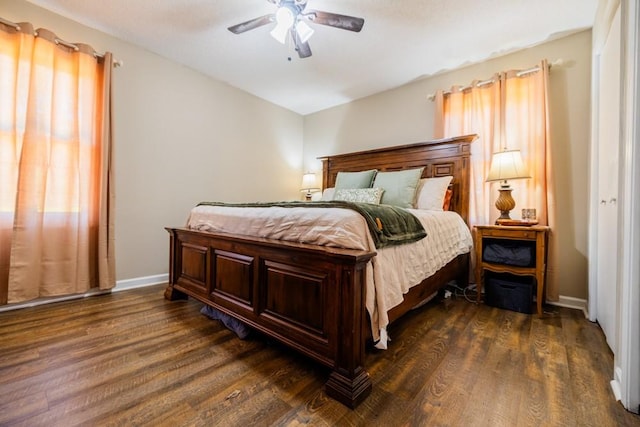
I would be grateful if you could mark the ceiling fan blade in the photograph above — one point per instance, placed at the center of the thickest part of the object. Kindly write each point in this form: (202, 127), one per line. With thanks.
(336, 20)
(253, 23)
(304, 51)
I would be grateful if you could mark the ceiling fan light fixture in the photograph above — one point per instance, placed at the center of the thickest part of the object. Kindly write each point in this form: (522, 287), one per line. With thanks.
(304, 31)
(284, 20)
(285, 16)
(280, 33)
(289, 16)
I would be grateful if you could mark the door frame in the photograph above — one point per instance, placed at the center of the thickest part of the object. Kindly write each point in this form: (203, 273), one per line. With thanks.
(626, 373)
(626, 381)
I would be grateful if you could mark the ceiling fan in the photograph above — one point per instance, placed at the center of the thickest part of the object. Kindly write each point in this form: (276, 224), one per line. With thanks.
(291, 18)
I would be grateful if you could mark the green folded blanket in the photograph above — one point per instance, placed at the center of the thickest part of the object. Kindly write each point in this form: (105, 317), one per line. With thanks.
(389, 225)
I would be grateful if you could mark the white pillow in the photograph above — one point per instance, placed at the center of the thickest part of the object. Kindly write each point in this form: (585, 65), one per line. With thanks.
(359, 195)
(327, 194)
(431, 192)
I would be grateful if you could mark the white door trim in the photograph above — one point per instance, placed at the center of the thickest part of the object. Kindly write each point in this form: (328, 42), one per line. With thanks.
(593, 193)
(627, 359)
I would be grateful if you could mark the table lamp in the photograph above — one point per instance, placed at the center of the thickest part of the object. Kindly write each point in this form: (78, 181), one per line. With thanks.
(309, 185)
(506, 165)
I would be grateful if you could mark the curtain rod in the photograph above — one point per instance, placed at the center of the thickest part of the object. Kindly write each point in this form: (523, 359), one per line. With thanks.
(556, 63)
(116, 62)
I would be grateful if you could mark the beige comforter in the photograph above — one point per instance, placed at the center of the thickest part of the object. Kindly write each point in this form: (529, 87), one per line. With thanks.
(390, 274)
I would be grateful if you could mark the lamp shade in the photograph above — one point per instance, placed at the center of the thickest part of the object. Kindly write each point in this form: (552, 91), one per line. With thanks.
(309, 185)
(309, 182)
(304, 31)
(284, 19)
(507, 165)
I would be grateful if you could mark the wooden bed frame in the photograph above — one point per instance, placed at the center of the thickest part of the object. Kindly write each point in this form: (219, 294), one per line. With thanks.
(312, 298)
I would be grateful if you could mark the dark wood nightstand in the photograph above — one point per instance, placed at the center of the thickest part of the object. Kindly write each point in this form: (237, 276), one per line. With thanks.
(535, 237)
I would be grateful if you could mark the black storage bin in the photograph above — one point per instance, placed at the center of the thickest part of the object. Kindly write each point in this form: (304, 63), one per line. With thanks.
(509, 291)
(521, 254)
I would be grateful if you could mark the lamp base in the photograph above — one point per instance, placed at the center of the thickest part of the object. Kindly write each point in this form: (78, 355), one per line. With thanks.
(505, 203)
(504, 215)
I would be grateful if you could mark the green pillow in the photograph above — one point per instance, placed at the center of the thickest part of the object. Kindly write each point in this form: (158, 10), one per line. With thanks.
(347, 180)
(399, 186)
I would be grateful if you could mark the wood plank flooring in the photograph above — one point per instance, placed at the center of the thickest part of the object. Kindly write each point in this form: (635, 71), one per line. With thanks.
(132, 358)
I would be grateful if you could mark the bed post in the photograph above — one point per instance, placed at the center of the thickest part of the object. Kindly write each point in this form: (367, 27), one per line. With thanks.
(172, 293)
(463, 278)
(349, 383)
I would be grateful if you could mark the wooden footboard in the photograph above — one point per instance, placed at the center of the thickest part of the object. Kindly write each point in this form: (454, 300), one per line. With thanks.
(308, 297)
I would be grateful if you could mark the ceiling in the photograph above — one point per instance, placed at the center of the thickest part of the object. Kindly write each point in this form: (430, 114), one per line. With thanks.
(401, 41)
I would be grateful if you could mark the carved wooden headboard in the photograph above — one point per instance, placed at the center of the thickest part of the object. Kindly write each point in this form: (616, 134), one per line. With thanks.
(440, 157)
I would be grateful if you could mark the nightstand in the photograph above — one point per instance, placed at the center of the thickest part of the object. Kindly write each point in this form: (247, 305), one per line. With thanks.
(534, 239)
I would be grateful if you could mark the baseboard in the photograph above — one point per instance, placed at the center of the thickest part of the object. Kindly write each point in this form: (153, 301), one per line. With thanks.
(140, 282)
(615, 387)
(571, 302)
(616, 383)
(121, 285)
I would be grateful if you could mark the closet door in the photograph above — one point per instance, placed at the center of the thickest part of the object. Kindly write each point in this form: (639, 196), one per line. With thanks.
(607, 192)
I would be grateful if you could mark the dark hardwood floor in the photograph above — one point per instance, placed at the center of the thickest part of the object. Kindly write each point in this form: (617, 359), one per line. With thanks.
(132, 358)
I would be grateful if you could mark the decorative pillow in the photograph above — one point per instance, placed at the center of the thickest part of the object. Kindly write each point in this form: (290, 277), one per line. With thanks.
(431, 193)
(349, 180)
(327, 194)
(399, 186)
(359, 195)
(447, 199)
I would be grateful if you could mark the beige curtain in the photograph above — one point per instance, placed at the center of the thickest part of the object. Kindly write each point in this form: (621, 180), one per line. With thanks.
(511, 111)
(56, 186)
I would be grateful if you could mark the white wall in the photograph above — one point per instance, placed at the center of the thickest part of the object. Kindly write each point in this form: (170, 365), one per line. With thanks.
(180, 137)
(405, 115)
